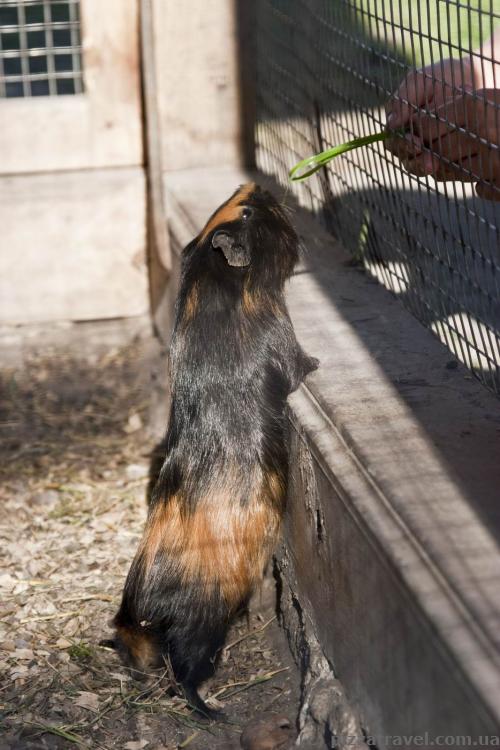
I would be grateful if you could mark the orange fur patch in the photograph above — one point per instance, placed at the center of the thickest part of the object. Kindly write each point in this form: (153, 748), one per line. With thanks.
(253, 303)
(139, 647)
(191, 304)
(250, 302)
(229, 211)
(223, 542)
(275, 486)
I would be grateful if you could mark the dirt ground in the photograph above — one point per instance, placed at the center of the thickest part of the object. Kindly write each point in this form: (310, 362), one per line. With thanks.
(74, 462)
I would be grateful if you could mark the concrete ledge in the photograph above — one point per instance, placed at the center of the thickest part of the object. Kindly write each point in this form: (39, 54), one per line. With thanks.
(391, 545)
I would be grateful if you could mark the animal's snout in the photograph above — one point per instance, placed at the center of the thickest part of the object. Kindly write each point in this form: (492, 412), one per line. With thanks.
(234, 251)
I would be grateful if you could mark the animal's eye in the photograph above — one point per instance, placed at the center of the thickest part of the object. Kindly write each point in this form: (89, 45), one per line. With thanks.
(247, 212)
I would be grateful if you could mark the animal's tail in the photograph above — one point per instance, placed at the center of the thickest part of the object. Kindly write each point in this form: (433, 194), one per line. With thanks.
(199, 705)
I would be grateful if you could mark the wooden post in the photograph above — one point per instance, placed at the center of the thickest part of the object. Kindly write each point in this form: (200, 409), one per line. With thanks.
(159, 253)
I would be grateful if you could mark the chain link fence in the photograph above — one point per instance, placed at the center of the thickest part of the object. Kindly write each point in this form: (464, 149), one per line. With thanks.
(326, 69)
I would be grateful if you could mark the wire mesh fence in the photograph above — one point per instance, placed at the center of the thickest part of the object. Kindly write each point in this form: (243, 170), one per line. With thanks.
(413, 218)
(40, 48)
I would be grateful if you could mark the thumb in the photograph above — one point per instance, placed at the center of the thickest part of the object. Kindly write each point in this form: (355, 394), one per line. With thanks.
(490, 191)
(410, 95)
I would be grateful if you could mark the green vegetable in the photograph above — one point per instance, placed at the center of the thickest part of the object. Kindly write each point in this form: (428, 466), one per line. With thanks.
(309, 166)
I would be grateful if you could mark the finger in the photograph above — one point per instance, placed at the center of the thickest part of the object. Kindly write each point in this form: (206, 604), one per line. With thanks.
(434, 123)
(471, 164)
(430, 124)
(404, 147)
(470, 169)
(452, 171)
(410, 95)
(430, 165)
(455, 146)
(420, 165)
(464, 156)
(489, 191)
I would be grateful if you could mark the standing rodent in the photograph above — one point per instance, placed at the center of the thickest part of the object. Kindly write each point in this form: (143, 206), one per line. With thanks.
(215, 513)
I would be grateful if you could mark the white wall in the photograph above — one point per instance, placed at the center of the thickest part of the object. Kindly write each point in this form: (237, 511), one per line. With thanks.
(197, 76)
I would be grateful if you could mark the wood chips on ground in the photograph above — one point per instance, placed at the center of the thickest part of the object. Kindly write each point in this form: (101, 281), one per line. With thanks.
(74, 469)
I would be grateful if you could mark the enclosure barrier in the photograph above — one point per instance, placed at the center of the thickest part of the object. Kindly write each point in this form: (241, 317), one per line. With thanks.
(326, 68)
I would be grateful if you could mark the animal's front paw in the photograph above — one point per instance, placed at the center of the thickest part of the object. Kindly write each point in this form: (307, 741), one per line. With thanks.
(310, 364)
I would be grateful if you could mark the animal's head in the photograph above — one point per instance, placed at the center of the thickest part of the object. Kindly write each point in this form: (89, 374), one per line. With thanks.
(248, 236)
(136, 646)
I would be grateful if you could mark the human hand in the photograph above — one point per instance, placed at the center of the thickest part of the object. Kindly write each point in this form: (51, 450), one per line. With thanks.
(427, 87)
(435, 84)
(459, 140)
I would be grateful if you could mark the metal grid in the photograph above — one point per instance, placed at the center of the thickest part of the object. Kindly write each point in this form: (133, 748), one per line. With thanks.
(326, 68)
(40, 48)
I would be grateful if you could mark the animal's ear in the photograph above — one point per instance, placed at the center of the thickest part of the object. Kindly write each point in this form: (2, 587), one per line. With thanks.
(234, 252)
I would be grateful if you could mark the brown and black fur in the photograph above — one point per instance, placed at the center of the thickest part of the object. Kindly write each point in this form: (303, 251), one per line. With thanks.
(215, 513)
